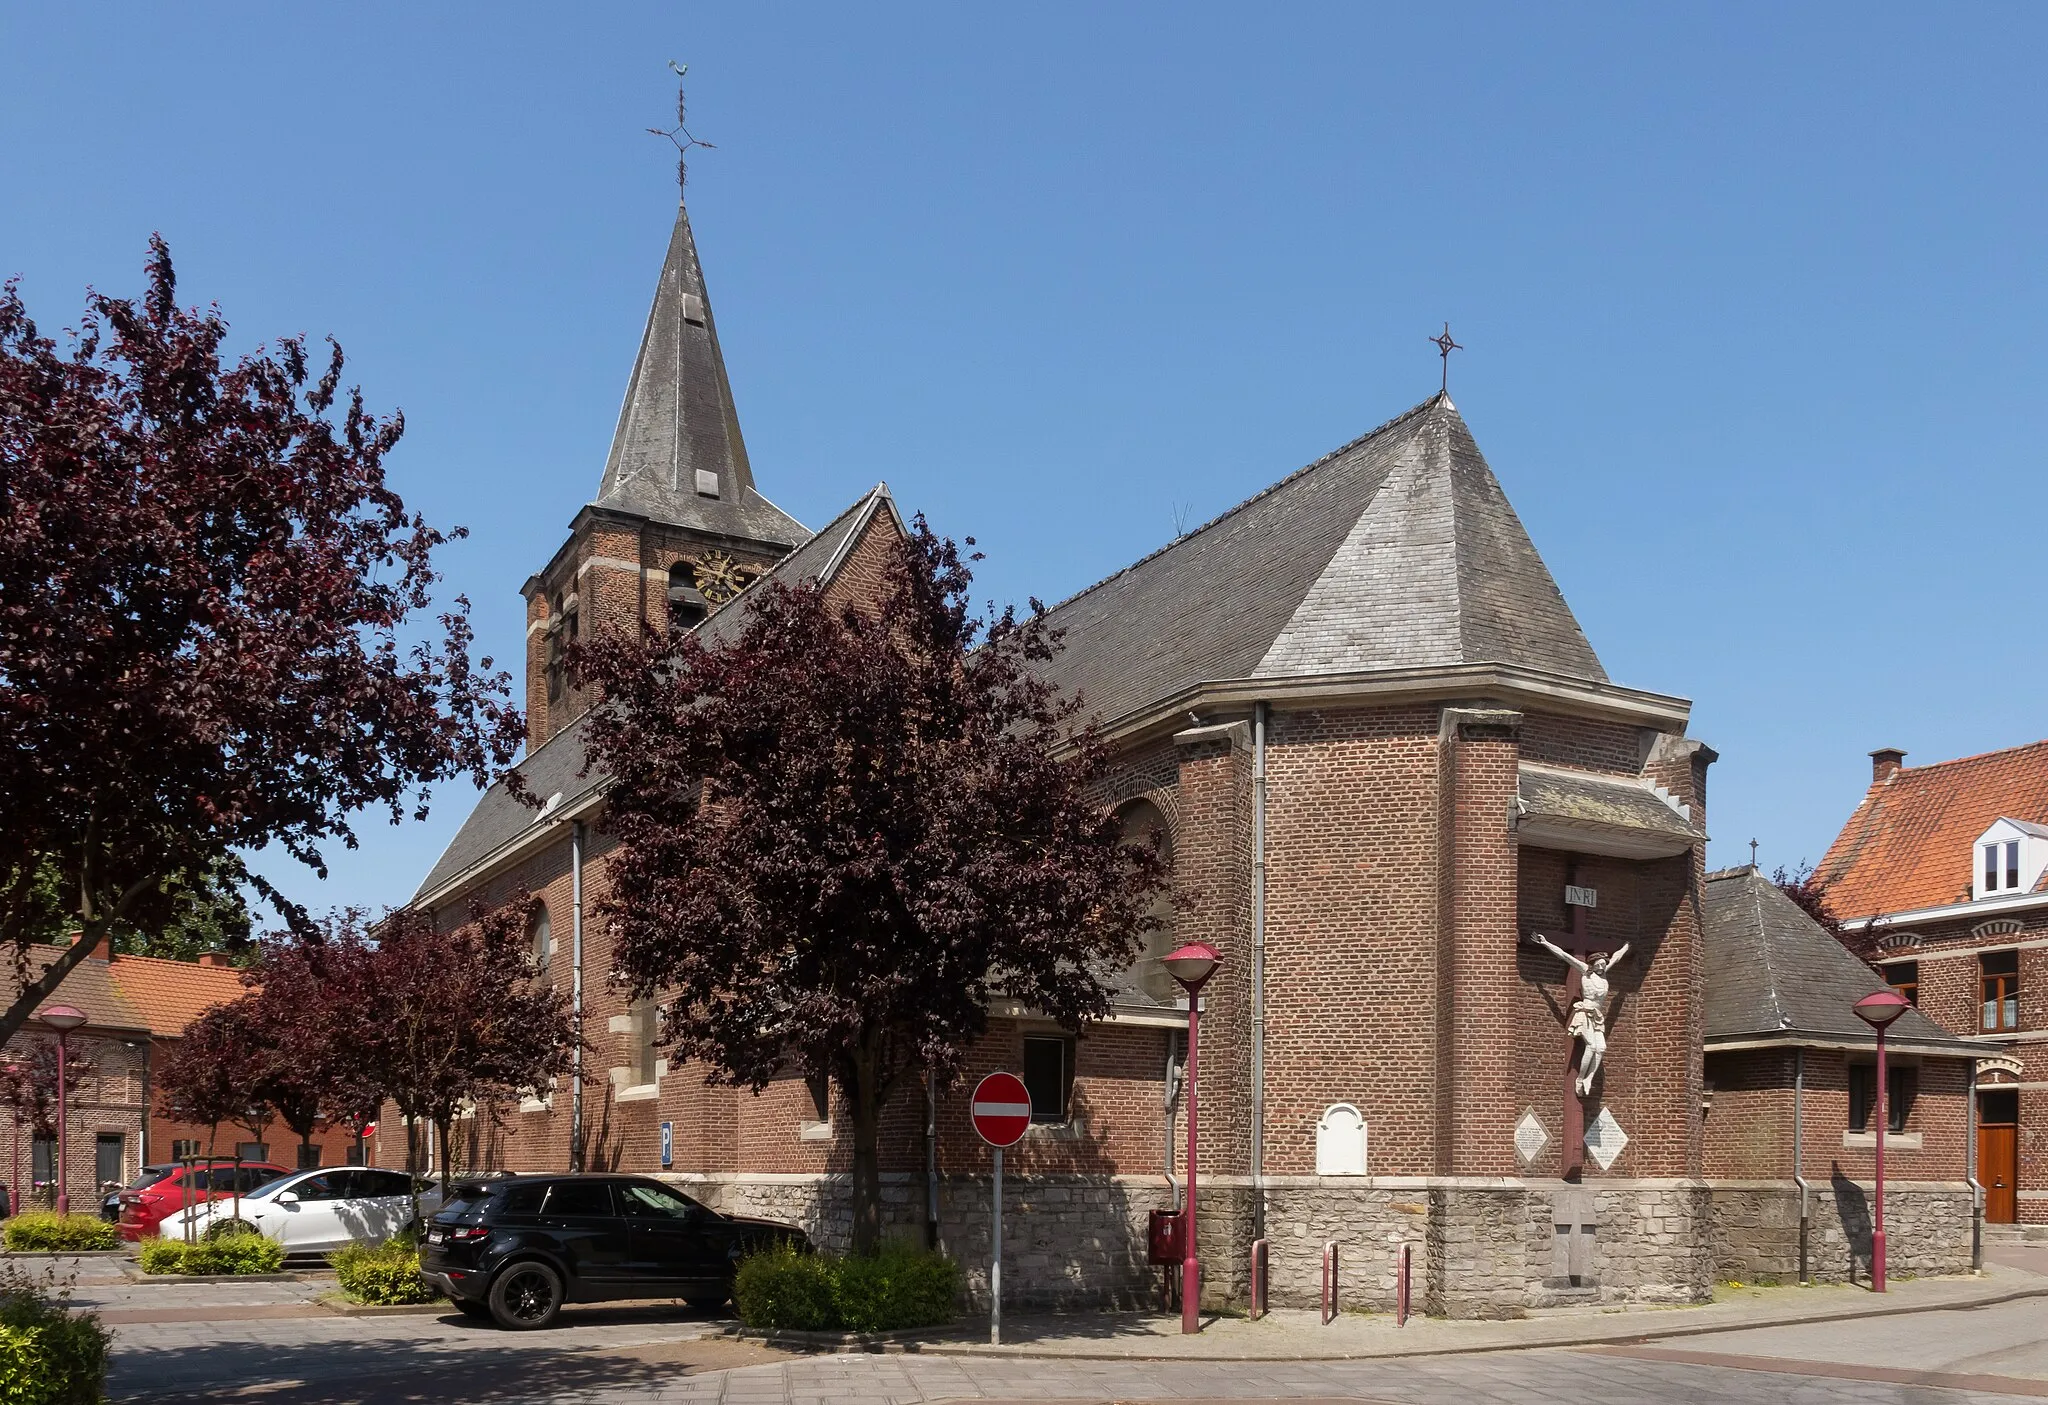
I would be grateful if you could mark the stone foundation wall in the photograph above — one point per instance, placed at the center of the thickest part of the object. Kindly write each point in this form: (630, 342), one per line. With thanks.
(1068, 1241)
(1756, 1230)
(1480, 1248)
(1489, 1248)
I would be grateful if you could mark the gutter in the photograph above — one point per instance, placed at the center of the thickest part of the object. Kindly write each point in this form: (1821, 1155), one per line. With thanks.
(1983, 907)
(534, 836)
(1796, 1039)
(1798, 1158)
(576, 996)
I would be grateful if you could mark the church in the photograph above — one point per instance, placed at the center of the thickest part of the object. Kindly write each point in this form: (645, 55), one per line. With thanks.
(1479, 996)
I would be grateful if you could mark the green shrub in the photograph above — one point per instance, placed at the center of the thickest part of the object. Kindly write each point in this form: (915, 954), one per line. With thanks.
(382, 1274)
(899, 1287)
(49, 1355)
(781, 1289)
(228, 1255)
(42, 1232)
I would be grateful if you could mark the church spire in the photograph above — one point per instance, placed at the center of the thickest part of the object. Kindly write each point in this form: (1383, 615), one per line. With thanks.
(677, 455)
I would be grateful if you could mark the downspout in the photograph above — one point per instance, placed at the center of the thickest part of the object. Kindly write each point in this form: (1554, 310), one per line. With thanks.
(1798, 1149)
(1976, 1190)
(1259, 970)
(148, 1048)
(931, 1160)
(576, 995)
(1169, 1101)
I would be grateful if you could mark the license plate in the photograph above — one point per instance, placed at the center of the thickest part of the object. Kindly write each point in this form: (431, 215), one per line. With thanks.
(437, 1236)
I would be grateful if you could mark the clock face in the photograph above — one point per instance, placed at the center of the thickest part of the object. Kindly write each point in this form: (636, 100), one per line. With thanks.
(719, 577)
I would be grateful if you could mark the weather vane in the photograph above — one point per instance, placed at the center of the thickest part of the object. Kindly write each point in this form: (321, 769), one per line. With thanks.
(679, 135)
(1444, 347)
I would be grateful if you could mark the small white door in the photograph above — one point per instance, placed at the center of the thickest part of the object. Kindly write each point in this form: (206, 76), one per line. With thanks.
(314, 1223)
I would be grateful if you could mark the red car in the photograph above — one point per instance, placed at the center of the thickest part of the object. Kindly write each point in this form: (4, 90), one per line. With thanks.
(162, 1191)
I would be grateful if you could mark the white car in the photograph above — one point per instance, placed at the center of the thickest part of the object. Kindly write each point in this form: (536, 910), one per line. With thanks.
(314, 1212)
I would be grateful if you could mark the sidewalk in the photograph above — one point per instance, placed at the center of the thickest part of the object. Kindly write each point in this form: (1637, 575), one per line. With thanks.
(1292, 1334)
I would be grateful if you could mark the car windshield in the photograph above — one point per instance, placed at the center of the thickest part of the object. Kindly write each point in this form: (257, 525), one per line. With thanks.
(272, 1187)
(150, 1176)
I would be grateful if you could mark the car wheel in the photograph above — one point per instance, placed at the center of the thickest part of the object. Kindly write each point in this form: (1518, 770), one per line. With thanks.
(526, 1296)
(480, 1311)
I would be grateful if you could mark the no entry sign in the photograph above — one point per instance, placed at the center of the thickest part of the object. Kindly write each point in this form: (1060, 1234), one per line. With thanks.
(1002, 1109)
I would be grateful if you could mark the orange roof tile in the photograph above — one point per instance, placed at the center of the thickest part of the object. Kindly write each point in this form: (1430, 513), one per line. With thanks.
(171, 994)
(88, 988)
(1909, 844)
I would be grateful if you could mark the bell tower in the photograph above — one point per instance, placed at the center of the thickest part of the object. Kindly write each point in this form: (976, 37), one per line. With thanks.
(677, 526)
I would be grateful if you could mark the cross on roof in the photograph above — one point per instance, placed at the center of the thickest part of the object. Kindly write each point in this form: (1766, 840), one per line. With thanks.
(679, 135)
(1444, 347)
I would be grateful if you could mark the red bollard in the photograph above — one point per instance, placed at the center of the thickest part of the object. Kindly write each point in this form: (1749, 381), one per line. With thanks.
(1329, 1282)
(1259, 1251)
(1402, 1263)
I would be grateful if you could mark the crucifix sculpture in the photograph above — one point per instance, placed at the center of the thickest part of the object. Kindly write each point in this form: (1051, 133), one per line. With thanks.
(1589, 959)
(1444, 347)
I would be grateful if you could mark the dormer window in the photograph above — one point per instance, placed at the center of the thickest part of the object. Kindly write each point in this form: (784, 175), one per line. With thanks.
(2010, 858)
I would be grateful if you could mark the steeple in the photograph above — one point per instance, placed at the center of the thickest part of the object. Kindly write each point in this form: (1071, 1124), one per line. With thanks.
(677, 456)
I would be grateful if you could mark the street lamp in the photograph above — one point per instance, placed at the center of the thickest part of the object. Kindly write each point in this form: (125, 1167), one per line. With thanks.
(1191, 966)
(63, 1019)
(1878, 1010)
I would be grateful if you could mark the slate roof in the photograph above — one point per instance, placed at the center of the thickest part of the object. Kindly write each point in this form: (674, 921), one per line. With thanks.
(1397, 551)
(171, 994)
(1909, 844)
(678, 418)
(556, 766)
(1774, 973)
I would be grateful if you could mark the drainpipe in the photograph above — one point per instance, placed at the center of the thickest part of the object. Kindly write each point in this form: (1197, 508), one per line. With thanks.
(1259, 971)
(1798, 1148)
(1169, 1102)
(576, 995)
(1976, 1190)
(931, 1160)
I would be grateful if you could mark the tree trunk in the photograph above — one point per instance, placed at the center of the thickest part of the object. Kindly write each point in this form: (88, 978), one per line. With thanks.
(865, 1102)
(445, 1128)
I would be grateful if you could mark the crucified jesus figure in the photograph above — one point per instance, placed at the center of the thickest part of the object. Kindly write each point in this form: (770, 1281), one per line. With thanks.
(1587, 1022)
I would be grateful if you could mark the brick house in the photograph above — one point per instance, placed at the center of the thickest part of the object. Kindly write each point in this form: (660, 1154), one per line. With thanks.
(1944, 870)
(1791, 1091)
(136, 1007)
(1381, 755)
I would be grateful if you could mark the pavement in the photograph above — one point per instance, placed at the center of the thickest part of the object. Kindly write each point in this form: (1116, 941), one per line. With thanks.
(1972, 1341)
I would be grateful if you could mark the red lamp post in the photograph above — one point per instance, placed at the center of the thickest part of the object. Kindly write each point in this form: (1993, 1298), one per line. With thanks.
(63, 1019)
(1191, 966)
(1878, 1011)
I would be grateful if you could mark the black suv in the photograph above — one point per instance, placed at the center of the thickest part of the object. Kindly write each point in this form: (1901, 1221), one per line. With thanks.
(515, 1248)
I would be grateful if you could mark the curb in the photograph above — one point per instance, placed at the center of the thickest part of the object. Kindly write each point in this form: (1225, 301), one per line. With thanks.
(67, 1254)
(348, 1309)
(1615, 1334)
(903, 1339)
(138, 1277)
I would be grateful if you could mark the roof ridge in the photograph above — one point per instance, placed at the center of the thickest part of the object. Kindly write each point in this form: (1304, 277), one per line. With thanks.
(1259, 496)
(1974, 756)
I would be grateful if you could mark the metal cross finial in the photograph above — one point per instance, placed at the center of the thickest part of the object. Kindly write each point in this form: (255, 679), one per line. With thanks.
(679, 135)
(1752, 853)
(1444, 347)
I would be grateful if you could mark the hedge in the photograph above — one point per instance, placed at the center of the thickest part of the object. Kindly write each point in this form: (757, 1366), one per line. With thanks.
(382, 1274)
(230, 1254)
(781, 1289)
(45, 1232)
(48, 1354)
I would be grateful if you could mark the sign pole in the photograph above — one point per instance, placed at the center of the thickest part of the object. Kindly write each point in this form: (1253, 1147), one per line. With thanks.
(995, 1267)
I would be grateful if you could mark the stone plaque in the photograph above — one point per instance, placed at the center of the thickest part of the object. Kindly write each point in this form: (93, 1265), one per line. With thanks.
(1530, 1138)
(1605, 1139)
(1340, 1141)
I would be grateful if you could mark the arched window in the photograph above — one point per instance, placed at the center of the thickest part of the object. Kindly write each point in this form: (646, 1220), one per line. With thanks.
(540, 941)
(686, 604)
(1143, 824)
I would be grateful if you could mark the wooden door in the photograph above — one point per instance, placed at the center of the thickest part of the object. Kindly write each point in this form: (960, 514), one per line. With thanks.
(1998, 1172)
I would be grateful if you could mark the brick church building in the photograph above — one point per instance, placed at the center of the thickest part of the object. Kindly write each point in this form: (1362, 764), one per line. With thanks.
(1383, 757)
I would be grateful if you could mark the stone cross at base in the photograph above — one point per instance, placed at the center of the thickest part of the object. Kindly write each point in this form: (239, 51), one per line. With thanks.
(1582, 944)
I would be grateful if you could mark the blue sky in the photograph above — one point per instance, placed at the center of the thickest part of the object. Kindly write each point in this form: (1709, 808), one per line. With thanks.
(1753, 295)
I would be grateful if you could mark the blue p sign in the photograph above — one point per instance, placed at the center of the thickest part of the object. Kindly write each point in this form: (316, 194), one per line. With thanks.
(668, 1145)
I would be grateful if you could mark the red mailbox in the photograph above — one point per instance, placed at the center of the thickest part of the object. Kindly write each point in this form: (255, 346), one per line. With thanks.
(1166, 1243)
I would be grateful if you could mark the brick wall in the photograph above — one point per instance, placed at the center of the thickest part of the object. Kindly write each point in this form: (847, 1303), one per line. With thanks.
(104, 1098)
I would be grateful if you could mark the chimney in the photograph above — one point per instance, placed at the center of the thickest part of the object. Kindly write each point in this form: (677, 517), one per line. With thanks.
(1885, 763)
(214, 958)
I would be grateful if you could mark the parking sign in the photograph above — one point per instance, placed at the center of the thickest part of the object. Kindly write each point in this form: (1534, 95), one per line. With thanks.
(668, 1145)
